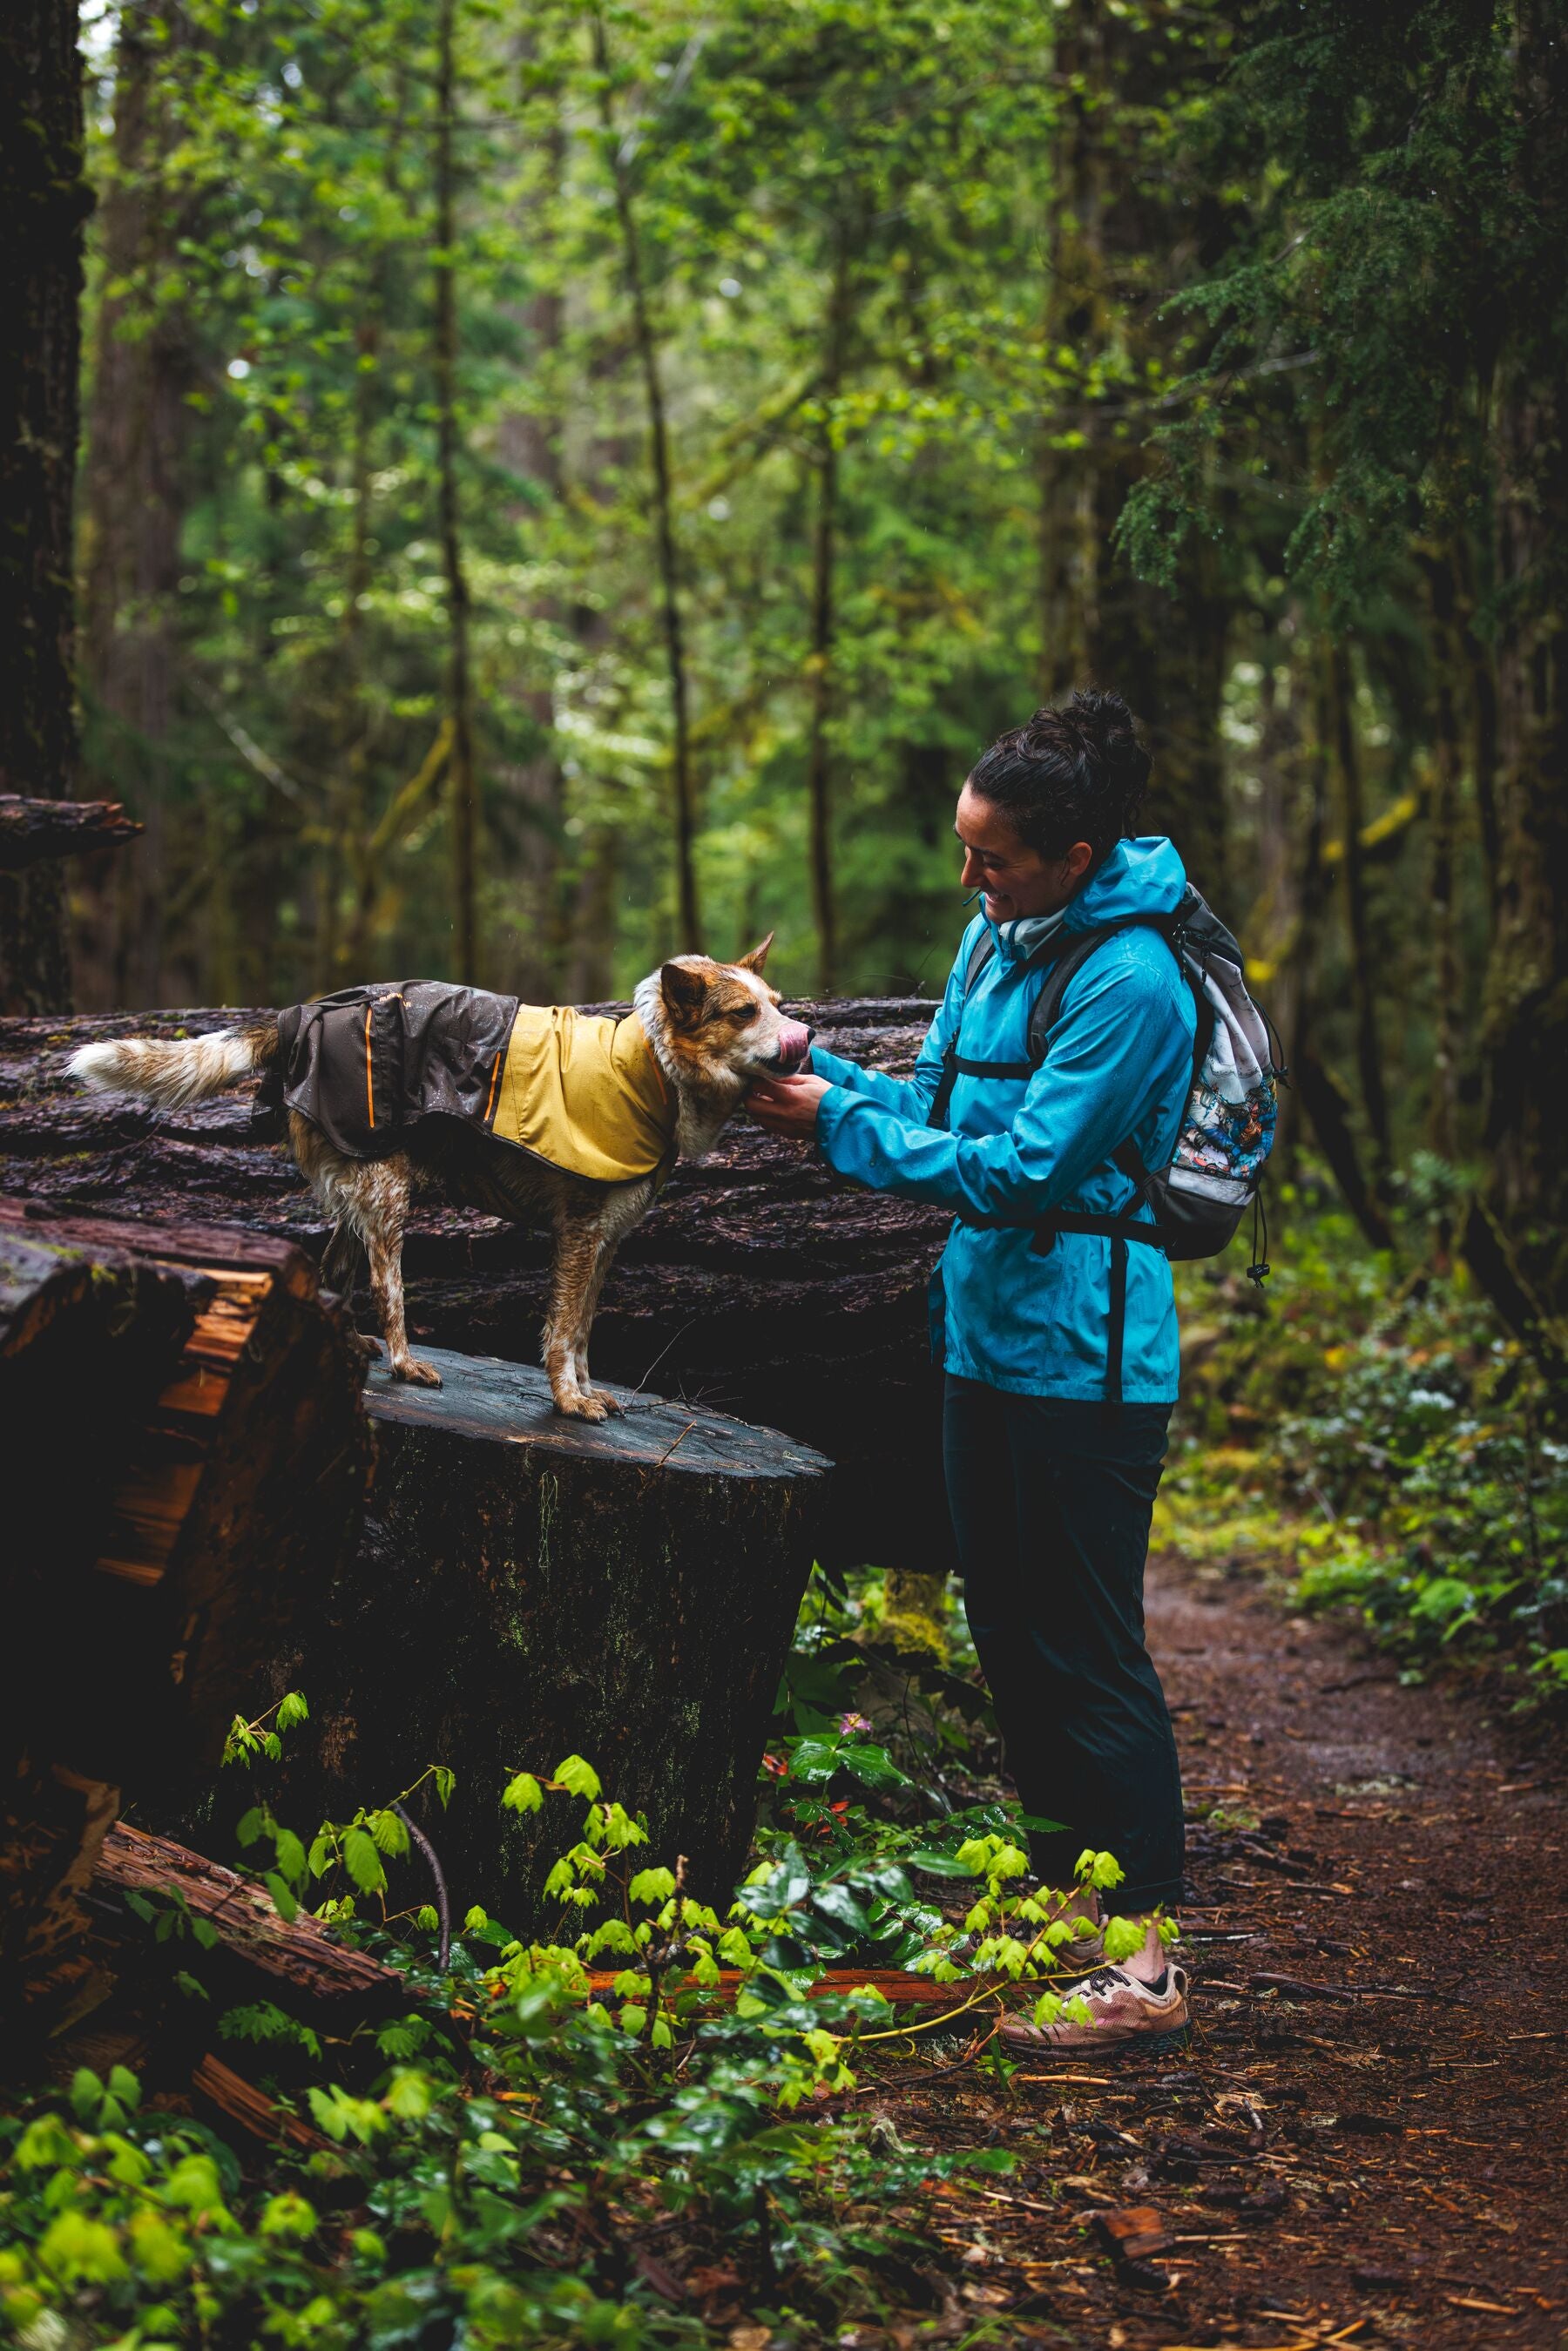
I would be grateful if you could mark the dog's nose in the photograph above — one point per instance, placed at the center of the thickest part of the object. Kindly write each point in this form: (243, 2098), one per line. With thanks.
(794, 1044)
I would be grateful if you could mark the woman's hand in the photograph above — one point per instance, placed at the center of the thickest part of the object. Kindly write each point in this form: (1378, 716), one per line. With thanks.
(787, 1106)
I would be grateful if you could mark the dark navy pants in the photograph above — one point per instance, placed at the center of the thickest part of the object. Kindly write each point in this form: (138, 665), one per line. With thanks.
(1051, 1501)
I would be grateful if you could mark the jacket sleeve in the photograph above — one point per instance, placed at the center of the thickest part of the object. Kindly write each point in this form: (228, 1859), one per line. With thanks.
(1122, 1040)
(908, 1098)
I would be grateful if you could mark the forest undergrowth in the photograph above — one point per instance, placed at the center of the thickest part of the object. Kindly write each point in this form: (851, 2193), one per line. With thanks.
(521, 2155)
(1365, 1436)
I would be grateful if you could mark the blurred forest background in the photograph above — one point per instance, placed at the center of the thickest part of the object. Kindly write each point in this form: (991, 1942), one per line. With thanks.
(562, 481)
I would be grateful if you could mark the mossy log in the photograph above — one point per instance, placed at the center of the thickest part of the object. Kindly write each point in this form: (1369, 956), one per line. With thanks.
(184, 1458)
(531, 1588)
(760, 1284)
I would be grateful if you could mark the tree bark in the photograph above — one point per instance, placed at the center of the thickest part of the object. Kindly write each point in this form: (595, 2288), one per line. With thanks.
(682, 779)
(204, 1408)
(294, 1961)
(43, 200)
(461, 796)
(760, 1283)
(531, 1588)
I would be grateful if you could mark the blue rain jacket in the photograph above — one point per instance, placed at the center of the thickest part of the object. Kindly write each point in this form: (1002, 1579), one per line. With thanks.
(1119, 1065)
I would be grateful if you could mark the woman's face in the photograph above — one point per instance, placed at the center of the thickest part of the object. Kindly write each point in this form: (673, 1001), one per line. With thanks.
(1017, 880)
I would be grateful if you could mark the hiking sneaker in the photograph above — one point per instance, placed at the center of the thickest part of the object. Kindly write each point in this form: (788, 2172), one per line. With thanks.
(1086, 1948)
(1122, 2008)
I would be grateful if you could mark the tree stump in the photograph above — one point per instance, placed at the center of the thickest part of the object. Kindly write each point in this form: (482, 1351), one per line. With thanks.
(531, 1588)
(760, 1284)
(185, 1456)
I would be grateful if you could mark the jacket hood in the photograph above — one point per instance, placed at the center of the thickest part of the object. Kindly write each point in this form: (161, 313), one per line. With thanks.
(1144, 876)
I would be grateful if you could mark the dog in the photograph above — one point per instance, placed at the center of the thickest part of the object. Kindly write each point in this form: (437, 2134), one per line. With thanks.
(714, 1029)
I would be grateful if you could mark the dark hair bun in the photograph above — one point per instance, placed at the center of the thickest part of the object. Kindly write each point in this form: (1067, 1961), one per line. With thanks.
(1076, 771)
(1110, 733)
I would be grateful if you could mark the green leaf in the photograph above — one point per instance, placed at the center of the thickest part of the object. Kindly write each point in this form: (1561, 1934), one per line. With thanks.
(578, 1778)
(874, 1767)
(814, 1760)
(389, 1832)
(522, 1793)
(938, 1865)
(290, 1855)
(362, 1861)
(288, 2216)
(292, 1709)
(651, 1885)
(284, 1900)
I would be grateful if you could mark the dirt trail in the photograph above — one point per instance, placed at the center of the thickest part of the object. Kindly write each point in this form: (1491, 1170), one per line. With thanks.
(1385, 2168)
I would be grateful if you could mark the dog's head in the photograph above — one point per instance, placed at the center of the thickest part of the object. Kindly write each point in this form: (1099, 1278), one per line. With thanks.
(722, 1022)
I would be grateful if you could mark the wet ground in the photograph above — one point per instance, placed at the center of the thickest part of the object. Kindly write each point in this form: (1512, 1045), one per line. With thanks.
(1367, 2149)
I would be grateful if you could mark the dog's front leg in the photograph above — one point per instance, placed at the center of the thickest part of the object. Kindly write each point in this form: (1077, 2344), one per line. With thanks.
(571, 1281)
(612, 1219)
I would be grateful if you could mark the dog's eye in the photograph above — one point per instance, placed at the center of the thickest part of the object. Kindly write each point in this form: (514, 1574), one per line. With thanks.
(745, 1013)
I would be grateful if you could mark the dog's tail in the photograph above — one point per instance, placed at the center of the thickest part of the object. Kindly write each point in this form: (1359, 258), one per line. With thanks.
(173, 1074)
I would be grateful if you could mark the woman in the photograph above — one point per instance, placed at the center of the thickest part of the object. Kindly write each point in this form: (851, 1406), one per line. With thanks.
(1060, 1345)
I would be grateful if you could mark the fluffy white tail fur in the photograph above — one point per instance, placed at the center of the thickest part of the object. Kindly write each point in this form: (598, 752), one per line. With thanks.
(168, 1074)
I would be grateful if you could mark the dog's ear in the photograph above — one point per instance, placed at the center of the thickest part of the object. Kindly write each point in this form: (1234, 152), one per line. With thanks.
(758, 958)
(684, 993)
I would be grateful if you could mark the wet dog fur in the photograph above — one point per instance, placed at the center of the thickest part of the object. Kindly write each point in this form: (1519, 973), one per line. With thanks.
(716, 1030)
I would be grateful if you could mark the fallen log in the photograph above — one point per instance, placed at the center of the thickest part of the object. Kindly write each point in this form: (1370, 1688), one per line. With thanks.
(33, 829)
(760, 1284)
(184, 1458)
(295, 1962)
(531, 1588)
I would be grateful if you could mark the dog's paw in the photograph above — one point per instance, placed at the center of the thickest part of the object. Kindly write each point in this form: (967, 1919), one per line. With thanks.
(613, 1406)
(580, 1404)
(418, 1375)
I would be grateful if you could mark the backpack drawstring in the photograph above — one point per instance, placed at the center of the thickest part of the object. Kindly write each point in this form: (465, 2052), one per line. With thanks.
(1260, 1269)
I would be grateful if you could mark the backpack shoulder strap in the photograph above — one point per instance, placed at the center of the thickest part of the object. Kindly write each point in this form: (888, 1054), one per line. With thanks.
(1047, 1007)
(980, 953)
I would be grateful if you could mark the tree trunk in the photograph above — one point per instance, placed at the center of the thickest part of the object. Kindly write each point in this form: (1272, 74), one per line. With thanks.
(760, 1283)
(461, 794)
(1518, 1239)
(1322, 1097)
(818, 778)
(683, 781)
(1164, 649)
(1358, 941)
(1448, 999)
(44, 201)
(135, 486)
(531, 1588)
(215, 1470)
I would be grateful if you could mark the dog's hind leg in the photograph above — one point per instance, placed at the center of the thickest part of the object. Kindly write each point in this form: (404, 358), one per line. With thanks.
(371, 1196)
(341, 1258)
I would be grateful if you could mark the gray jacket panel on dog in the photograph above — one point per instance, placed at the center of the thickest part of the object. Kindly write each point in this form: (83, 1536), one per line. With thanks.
(367, 1064)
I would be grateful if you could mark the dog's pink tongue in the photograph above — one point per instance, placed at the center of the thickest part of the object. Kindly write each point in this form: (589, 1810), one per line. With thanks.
(794, 1044)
